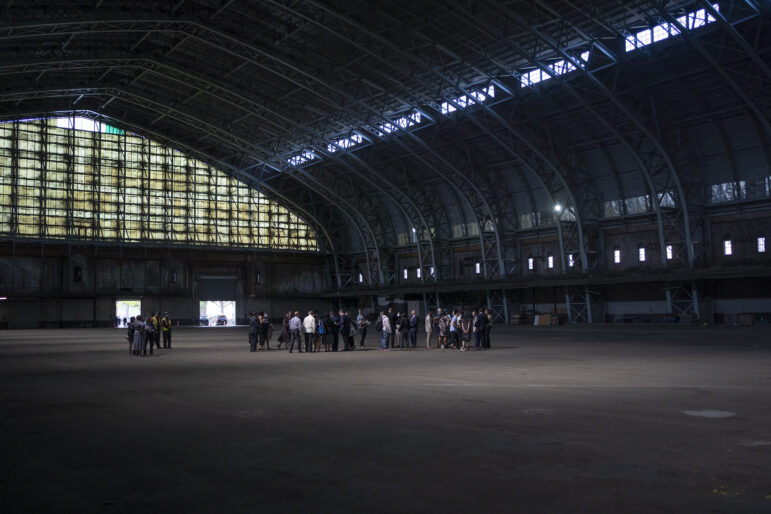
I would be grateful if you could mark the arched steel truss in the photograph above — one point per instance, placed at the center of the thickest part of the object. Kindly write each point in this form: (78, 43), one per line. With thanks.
(357, 185)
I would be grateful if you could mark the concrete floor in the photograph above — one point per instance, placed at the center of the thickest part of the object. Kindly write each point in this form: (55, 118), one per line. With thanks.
(581, 419)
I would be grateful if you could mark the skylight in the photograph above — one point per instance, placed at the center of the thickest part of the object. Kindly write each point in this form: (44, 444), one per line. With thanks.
(464, 101)
(87, 124)
(402, 122)
(690, 21)
(557, 68)
(345, 143)
(301, 158)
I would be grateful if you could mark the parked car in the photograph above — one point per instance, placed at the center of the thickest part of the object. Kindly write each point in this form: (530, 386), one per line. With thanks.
(203, 321)
(222, 320)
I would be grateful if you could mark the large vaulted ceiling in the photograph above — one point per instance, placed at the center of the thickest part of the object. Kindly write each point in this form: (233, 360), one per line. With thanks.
(376, 94)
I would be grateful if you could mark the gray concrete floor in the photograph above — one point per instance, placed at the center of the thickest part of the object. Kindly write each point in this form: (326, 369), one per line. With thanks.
(581, 419)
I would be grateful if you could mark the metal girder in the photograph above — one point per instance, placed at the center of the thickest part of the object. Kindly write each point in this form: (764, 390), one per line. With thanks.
(545, 179)
(725, 74)
(737, 36)
(488, 216)
(579, 304)
(498, 305)
(683, 299)
(618, 118)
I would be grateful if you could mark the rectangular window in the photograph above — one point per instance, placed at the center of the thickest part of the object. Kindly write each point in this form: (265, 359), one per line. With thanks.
(571, 260)
(405, 273)
(641, 254)
(617, 256)
(727, 247)
(530, 263)
(478, 268)
(670, 254)
(761, 245)
(419, 272)
(550, 261)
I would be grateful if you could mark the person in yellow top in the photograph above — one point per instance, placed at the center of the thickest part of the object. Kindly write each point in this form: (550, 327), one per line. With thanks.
(166, 330)
(156, 321)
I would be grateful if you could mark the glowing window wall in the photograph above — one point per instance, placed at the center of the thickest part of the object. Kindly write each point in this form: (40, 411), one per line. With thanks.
(63, 183)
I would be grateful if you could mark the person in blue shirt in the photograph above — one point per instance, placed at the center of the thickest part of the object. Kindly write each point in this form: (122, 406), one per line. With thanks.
(454, 330)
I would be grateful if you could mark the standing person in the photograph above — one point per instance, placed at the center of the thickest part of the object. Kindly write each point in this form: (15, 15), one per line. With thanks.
(157, 330)
(268, 329)
(309, 328)
(392, 321)
(318, 335)
(334, 330)
(130, 336)
(252, 332)
(361, 325)
(385, 331)
(414, 329)
(148, 337)
(139, 327)
(294, 333)
(429, 321)
(453, 337)
(475, 328)
(124, 321)
(326, 338)
(283, 337)
(166, 330)
(481, 329)
(489, 326)
(465, 333)
(262, 330)
(443, 328)
(404, 330)
(346, 325)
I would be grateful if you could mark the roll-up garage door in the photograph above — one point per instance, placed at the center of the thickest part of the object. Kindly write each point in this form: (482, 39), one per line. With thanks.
(221, 287)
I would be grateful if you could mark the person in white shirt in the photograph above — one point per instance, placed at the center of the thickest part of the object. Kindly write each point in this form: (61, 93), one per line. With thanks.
(385, 331)
(429, 328)
(309, 327)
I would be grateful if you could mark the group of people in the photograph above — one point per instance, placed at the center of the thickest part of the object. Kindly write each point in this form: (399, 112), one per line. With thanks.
(314, 331)
(395, 329)
(260, 331)
(147, 331)
(456, 330)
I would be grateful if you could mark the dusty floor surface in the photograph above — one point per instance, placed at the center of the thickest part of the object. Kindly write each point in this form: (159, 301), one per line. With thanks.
(587, 419)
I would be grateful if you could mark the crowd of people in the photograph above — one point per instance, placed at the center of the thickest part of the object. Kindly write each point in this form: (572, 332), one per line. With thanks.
(395, 330)
(454, 330)
(147, 331)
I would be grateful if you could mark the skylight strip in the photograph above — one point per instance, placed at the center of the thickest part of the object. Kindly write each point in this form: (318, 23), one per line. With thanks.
(691, 21)
(463, 101)
(402, 122)
(301, 158)
(557, 68)
(345, 143)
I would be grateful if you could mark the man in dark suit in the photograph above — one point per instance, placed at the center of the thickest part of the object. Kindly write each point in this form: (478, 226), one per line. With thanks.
(345, 331)
(414, 329)
(253, 332)
(334, 330)
(482, 329)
